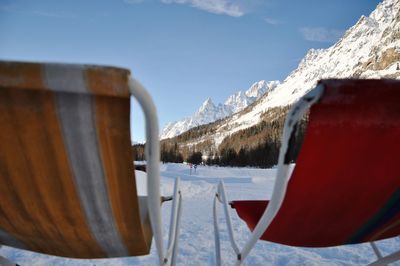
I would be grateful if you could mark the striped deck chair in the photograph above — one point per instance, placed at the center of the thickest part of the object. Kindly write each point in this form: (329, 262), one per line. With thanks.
(345, 187)
(67, 180)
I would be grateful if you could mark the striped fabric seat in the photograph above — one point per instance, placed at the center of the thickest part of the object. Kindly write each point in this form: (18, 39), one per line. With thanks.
(67, 184)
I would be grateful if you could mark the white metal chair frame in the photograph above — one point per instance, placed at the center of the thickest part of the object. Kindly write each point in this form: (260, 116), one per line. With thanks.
(152, 153)
(282, 179)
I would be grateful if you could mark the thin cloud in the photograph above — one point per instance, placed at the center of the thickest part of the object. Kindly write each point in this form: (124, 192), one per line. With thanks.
(220, 7)
(272, 21)
(320, 34)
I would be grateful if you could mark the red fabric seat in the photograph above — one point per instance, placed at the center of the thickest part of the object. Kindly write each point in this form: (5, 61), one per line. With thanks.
(345, 188)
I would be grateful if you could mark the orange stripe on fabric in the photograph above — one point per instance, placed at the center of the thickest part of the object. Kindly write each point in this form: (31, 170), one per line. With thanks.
(108, 81)
(38, 196)
(21, 203)
(113, 130)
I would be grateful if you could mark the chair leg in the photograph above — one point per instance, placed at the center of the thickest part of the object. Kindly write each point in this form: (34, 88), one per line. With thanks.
(174, 225)
(376, 250)
(387, 259)
(216, 233)
(176, 245)
(224, 201)
(221, 197)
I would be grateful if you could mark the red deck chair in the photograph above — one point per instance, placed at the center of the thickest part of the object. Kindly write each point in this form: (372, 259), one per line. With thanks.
(345, 187)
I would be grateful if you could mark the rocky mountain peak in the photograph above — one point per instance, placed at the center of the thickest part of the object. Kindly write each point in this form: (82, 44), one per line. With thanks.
(207, 106)
(210, 112)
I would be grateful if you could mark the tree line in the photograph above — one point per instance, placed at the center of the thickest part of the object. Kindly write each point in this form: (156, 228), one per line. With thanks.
(257, 146)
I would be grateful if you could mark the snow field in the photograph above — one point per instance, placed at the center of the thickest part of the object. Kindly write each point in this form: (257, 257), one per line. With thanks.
(196, 240)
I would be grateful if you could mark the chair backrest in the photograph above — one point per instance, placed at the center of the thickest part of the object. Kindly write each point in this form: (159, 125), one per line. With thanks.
(67, 184)
(345, 187)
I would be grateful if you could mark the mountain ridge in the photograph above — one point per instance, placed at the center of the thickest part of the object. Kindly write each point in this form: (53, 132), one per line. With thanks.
(209, 112)
(368, 49)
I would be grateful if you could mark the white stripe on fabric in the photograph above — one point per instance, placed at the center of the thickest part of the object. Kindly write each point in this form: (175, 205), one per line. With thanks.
(64, 78)
(75, 112)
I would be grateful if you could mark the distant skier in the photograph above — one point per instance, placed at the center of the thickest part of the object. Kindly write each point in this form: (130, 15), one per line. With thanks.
(195, 167)
(191, 166)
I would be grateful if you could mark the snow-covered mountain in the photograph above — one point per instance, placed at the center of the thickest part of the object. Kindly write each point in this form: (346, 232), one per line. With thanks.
(209, 112)
(369, 49)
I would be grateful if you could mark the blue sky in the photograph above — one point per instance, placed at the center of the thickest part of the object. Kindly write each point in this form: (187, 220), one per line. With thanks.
(183, 51)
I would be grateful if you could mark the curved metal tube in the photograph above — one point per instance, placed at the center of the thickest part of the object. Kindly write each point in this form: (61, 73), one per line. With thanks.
(152, 153)
(282, 179)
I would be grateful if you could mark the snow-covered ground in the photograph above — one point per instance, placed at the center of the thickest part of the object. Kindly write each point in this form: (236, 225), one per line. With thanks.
(196, 242)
